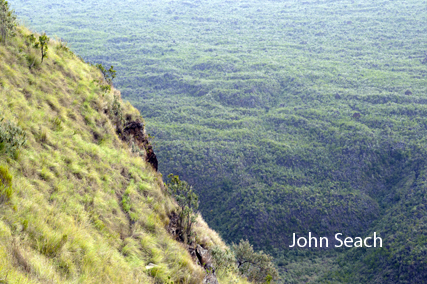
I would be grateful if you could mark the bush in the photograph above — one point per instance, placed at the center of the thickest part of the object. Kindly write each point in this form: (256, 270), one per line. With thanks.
(256, 266)
(43, 45)
(188, 202)
(116, 113)
(224, 261)
(12, 138)
(109, 74)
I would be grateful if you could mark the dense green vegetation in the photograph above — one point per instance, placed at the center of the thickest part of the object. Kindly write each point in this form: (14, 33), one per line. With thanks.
(77, 203)
(257, 266)
(188, 202)
(285, 116)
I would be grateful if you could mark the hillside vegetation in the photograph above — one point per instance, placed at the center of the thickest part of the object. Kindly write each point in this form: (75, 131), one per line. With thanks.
(77, 205)
(287, 117)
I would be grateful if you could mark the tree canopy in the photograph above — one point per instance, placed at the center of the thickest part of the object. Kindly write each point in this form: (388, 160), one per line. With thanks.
(257, 266)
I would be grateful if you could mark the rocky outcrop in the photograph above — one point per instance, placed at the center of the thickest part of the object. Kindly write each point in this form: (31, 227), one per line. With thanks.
(205, 259)
(151, 157)
(134, 131)
(172, 227)
(210, 279)
(200, 255)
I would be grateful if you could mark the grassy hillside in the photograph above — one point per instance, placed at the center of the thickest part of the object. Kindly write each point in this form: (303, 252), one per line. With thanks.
(287, 116)
(76, 204)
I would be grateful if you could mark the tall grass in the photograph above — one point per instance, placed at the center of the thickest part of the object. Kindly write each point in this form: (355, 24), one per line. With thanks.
(78, 210)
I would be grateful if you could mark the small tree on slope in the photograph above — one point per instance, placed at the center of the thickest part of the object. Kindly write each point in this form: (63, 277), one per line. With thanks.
(42, 44)
(7, 21)
(257, 266)
(188, 202)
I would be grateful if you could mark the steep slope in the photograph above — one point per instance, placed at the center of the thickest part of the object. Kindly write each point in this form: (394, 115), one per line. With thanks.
(288, 116)
(77, 203)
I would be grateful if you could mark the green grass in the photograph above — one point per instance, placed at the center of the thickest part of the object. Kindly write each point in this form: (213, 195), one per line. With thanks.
(79, 208)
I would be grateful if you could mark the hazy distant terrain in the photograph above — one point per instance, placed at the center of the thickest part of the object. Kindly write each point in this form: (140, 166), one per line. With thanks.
(287, 116)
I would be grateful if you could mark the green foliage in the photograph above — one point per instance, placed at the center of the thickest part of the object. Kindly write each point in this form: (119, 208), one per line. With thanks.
(43, 45)
(116, 114)
(32, 39)
(106, 88)
(12, 138)
(253, 103)
(223, 260)
(78, 211)
(32, 59)
(7, 21)
(257, 266)
(109, 74)
(188, 202)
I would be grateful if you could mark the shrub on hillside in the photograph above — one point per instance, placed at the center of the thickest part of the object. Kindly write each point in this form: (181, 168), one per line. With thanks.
(188, 202)
(256, 266)
(12, 138)
(43, 45)
(224, 261)
(109, 74)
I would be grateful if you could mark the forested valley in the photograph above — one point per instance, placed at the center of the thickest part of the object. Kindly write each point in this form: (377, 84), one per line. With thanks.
(285, 116)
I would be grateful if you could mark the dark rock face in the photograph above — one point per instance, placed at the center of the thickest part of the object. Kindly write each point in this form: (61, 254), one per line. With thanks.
(134, 131)
(151, 158)
(204, 256)
(199, 254)
(174, 229)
